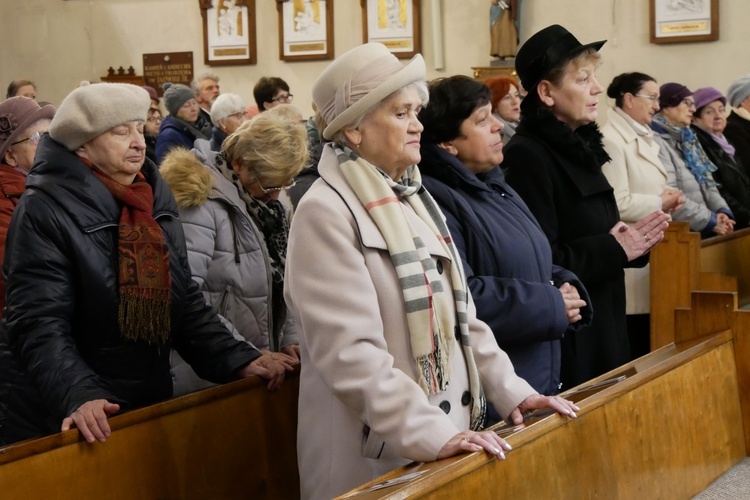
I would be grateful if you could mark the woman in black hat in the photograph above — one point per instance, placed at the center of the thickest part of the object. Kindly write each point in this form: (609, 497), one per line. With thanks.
(554, 162)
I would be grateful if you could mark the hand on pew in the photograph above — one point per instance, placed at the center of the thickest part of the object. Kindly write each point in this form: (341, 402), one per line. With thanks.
(292, 351)
(470, 441)
(271, 366)
(537, 401)
(91, 419)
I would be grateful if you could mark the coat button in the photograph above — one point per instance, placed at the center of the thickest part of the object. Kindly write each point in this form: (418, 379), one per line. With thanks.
(439, 267)
(445, 406)
(457, 333)
(466, 398)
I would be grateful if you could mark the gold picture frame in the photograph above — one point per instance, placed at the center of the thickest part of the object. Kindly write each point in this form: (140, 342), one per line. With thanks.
(673, 21)
(394, 23)
(228, 32)
(305, 29)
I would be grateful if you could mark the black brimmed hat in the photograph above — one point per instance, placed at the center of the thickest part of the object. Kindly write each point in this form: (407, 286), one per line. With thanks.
(546, 50)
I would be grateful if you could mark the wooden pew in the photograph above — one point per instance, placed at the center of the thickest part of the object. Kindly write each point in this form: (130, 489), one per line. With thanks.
(231, 441)
(682, 263)
(667, 431)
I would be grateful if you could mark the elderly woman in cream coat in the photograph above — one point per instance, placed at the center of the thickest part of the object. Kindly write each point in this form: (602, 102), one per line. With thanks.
(639, 180)
(395, 365)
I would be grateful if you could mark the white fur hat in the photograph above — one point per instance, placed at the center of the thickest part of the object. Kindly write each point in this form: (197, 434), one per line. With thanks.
(358, 80)
(93, 109)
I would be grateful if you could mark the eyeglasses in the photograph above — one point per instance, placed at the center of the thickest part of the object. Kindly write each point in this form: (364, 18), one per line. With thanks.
(154, 119)
(687, 102)
(652, 98)
(34, 138)
(240, 115)
(285, 99)
(267, 190)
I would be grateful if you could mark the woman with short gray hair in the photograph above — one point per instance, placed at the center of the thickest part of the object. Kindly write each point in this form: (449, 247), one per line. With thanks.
(227, 114)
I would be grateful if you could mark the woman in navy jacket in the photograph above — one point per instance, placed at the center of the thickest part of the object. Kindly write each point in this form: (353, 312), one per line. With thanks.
(527, 300)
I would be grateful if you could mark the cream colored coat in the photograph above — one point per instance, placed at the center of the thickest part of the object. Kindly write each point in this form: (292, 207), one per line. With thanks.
(638, 178)
(358, 370)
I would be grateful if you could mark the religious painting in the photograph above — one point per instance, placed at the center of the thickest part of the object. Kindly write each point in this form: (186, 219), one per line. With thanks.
(305, 29)
(394, 23)
(684, 20)
(228, 32)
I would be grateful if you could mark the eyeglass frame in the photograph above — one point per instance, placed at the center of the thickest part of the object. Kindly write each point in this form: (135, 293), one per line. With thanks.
(284, 99)
(34, 138)
(155, 118)
(652, 98)
(272, 189)
(238, 114)
(690, 104)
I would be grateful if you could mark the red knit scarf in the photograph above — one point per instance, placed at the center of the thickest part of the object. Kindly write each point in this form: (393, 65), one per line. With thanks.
(143, 258)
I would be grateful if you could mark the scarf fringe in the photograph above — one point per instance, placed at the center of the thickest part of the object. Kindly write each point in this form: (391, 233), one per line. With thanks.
(145, 315)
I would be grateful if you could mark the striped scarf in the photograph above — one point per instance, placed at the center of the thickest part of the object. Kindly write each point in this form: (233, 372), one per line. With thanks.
(430, 315)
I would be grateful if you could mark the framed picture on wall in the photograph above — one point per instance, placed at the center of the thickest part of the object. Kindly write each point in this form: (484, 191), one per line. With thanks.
(684, 20)
(228, 32)
(305, 29)
(394, 23)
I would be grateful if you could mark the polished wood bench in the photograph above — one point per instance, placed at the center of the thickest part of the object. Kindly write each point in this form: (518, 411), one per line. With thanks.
(232, 441)
(679, 421)
(682, 263)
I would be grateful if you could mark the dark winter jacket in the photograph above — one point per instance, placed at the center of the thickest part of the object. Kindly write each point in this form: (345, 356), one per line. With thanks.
(150, 146)
(733, 182)
(175, 132)
(217, 138)
(508, 264)
(59, 339)
(558, 173)
(737, 133)
(12, 186)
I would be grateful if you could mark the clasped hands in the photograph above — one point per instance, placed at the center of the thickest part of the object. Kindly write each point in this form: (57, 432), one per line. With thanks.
(639, 238)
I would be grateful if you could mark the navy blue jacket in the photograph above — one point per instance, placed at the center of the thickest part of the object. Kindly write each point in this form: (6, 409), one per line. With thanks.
(174, 133)
(508, 264)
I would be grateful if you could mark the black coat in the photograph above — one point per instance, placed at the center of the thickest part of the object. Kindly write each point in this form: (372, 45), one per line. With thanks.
(737, 133)
(508, 264)
(558, 174)
(733, 182)
(59, 340)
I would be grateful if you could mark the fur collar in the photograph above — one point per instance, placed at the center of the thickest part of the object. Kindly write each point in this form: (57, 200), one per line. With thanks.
(582, 146)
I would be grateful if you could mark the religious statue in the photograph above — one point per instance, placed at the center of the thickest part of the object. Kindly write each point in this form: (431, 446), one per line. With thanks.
(504, 28)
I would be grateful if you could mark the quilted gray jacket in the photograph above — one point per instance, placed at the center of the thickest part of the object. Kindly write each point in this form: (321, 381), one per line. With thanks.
(702, 202)
(227, 255)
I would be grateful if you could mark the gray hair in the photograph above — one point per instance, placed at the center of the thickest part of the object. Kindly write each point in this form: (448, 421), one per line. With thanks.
(340, 138)
(226, 105)
(196, 84)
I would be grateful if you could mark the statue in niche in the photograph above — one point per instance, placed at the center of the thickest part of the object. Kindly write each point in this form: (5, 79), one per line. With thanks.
(504, 28)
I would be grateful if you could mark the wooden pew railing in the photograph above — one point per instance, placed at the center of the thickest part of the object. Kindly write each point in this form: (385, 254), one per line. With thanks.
(232, 441)
(682, 263)
(678, 421)
(667, 431)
